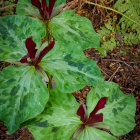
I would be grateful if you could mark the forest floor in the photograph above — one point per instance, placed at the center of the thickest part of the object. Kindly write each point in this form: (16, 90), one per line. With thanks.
(121, 68)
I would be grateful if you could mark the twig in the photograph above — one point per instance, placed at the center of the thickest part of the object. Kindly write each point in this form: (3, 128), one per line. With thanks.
(103, 72)
(117, 61)
(9, 6)
(114, 73)
(134, 62)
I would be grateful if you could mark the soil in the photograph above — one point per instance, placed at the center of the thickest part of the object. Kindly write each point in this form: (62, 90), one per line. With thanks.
(121, 68)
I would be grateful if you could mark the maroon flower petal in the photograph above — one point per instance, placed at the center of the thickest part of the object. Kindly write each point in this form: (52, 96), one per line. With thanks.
(82, 112)
(51, 5)
(36, 3)
(45, 51)
(97, 118)
(45, 9)
(24, 59)
(44, 5)
(101, 104)
(30, 45)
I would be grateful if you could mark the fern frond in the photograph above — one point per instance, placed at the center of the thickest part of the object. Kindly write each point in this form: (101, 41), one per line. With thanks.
(129, 29)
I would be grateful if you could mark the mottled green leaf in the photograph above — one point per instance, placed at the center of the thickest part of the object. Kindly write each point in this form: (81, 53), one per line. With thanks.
(23, 6)
(91, 133)
(119, 111)
(70, 28)
(70, 67)
(59, 123)
(53, 133)
(13, 32)
(118, 116)
(23, 95)
(59, 2)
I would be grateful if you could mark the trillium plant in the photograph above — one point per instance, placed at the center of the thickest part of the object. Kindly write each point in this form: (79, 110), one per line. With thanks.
(45, 11)
(43, 42)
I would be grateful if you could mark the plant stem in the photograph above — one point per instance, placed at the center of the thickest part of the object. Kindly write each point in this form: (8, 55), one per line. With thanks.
(49, 41)
(50, 81)
(92, 3)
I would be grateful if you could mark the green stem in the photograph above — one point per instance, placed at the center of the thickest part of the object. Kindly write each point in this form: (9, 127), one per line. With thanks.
(92, 3)
(50, 82)
(49, 41)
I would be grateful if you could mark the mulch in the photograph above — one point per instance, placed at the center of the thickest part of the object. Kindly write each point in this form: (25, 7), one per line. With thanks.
(121, 68)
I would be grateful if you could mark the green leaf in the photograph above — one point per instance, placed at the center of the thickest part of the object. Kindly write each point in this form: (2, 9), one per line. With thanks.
(119, 111)
(23, 95)
(90, 133)
(59, 2)
(23, 5)
(59, 123)
(66, 101)
(52, 133)
(70, 28)
(70, 67)
(57, 7)
(14, 30)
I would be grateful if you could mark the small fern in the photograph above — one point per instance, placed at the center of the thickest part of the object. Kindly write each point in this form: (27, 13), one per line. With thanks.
(107, 38)
(129, 30)
(126, 31)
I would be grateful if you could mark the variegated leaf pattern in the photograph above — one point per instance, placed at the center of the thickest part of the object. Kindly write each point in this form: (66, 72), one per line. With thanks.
(70, 28)
(59, 121)
(14, 30)
(53, 133)
(23, 95)
(24, 7)
(91, 133)
(59, 2)
(119, 112)
(70, 67)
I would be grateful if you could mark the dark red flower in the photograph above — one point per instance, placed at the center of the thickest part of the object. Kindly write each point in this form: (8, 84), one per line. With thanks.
(51, 5)
(45, 51)
(30, 46)
(82, 112)
(93, 117)
(44, 10)
(24, 59)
